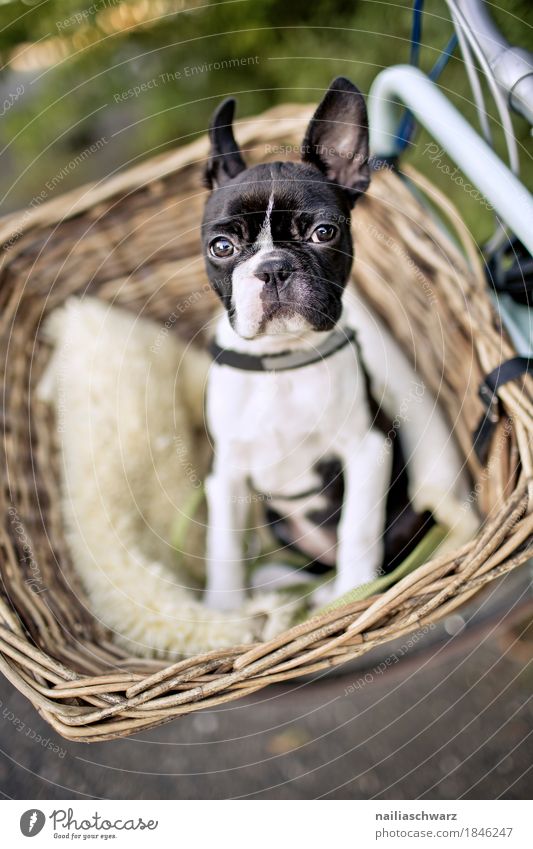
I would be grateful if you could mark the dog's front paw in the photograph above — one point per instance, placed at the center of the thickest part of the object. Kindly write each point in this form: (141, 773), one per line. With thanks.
(224, 600)
(343, 585)
(324, 595)
(455, 513)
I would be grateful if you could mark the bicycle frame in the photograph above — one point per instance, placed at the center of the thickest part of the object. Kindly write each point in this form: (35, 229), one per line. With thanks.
(404, 84)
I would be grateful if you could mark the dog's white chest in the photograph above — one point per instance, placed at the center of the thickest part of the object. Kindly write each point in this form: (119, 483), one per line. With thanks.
(276, 425)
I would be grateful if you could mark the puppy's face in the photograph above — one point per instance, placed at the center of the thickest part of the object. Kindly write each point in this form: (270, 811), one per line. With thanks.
(277, 237)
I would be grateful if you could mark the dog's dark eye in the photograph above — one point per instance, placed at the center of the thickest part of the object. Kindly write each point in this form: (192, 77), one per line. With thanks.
(324, 233)
(222, 247)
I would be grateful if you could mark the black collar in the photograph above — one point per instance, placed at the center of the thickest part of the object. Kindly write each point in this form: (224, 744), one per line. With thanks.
(285, 360)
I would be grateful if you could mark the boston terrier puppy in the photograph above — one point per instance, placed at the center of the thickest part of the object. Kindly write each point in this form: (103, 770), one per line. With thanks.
(290, 403)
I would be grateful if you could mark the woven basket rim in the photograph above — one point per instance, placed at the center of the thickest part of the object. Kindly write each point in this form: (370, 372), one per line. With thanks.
(129, 693)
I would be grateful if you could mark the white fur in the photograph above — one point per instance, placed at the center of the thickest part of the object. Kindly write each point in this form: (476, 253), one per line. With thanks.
(264, 239)
(271, 428)
(437, 473)
(246, 287)
(129, 466)
(246, 296)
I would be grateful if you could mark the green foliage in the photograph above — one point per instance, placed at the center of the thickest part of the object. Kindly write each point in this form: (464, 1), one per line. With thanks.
(182, 63)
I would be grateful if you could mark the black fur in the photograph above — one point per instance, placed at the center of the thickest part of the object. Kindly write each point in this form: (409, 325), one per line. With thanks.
(225, 160)
(337, 138)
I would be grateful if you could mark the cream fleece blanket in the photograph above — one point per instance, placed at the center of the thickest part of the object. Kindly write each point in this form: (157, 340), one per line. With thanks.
(127, 398)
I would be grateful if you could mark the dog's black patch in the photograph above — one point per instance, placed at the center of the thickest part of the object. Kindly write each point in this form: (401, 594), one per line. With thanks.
(404, 528)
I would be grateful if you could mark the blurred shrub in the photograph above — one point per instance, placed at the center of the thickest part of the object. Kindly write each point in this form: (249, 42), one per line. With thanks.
(146, 74)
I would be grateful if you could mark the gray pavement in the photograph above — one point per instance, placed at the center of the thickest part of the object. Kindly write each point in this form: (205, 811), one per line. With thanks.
(451, 721)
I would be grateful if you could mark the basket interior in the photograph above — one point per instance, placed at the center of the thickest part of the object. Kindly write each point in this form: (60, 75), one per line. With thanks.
(133, 241)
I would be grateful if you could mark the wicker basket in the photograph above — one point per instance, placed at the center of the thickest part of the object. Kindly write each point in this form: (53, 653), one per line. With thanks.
(133, 240)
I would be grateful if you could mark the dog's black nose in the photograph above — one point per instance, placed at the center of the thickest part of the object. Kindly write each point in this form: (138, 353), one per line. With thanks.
(275, 271)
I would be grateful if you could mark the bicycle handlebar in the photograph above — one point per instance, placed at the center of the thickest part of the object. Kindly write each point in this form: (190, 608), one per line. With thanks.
(510, 199)
(512, 66)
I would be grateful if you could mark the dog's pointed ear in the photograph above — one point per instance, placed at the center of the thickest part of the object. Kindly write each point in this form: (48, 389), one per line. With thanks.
(225, 160)
(336, 140)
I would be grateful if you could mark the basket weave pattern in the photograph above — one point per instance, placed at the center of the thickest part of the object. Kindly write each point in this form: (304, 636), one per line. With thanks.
(133, 240)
